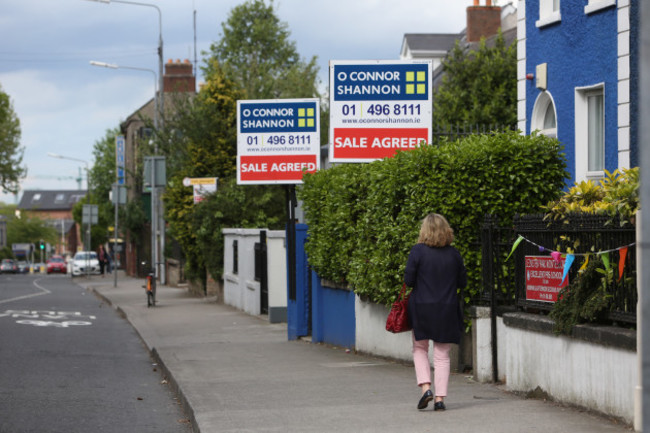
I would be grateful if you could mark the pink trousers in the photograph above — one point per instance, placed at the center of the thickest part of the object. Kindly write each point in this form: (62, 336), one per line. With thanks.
(441, 365)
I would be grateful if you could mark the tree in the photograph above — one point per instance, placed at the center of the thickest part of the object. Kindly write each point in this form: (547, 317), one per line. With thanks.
(100, 180)
(255, 59)
(255, 52)
(29, 230)
(11, 154)
(479, 87)
(205, 146)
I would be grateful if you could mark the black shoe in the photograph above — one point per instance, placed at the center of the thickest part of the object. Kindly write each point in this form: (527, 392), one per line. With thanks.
(439, 405)
(424, 401)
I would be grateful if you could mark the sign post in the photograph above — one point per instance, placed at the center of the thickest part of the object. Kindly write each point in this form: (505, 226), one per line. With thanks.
(155, 176)
(278, 141)
(378, 108)
(89, 216)
(117, 195)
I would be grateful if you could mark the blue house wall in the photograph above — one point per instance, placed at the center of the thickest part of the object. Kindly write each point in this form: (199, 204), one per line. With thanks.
(580, 50)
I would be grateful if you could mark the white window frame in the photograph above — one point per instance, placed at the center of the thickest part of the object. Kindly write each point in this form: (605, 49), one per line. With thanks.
(582, 132)
(548, 14)
(596, 5)
(544, 99)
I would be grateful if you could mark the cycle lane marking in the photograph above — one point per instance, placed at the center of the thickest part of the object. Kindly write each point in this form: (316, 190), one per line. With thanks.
(43, 290)
(30, 315)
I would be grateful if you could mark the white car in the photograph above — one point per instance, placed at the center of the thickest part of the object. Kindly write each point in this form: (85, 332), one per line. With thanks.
(85, 262)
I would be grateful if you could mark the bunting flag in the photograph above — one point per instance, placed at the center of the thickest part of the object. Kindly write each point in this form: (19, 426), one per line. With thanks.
(570, 258)
(584, 265)
(621, 262)
(515, 245)
(567, 265)
(543, 248)
(605, 258)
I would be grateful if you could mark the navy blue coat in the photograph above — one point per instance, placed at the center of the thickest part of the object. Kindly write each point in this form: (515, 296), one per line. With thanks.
(434, 308)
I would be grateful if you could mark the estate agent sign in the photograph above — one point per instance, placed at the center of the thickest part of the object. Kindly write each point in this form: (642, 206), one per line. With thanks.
(378, 107)
(277, 140)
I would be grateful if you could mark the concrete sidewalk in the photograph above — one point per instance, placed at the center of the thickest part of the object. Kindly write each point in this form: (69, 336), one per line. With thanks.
(238, 373)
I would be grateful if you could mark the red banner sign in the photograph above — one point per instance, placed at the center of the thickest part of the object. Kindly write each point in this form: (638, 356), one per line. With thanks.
(276, 167)
(544, 278)
(377, 143)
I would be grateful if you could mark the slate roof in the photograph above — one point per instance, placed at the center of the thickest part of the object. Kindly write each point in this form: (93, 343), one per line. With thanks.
(50, 200)
(419, 44)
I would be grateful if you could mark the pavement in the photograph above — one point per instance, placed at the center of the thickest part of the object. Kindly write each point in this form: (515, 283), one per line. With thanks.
(235, 372)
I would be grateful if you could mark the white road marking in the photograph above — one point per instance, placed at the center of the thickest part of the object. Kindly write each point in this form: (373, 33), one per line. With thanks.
(43, 290)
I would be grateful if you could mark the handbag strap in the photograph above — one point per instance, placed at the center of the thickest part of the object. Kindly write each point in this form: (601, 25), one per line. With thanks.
(402, 294)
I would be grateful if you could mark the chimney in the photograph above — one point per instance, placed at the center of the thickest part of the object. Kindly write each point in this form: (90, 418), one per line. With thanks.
(179, 77)
(482, 21)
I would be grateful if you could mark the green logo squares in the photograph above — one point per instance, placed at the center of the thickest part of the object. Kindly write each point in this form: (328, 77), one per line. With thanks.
(306, 118)
(416, 82)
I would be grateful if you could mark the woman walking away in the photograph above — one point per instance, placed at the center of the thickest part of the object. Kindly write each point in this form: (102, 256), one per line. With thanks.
(435, 270)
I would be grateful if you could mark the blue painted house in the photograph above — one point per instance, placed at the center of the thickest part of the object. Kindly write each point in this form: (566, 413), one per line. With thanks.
(577, 80)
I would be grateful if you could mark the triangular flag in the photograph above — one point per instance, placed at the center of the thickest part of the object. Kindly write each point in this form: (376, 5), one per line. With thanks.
(584, 265)
(605, 259)
(567, 265)
(515, 245)
(556, 255)
(621, 261)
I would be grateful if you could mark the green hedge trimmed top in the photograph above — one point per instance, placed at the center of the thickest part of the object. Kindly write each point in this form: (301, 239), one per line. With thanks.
(364, 218)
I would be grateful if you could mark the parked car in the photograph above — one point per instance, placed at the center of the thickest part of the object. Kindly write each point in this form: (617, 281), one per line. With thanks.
(85, 262)
(56, 264)
(8, 266)
(23, 266)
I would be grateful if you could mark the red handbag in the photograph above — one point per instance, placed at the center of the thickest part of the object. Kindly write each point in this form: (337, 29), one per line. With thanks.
(398, 318)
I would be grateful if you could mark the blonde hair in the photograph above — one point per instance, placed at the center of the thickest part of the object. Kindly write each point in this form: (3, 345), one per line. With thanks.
(435, 231)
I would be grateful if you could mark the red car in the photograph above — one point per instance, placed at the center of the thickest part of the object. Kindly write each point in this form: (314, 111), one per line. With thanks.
(56, 264)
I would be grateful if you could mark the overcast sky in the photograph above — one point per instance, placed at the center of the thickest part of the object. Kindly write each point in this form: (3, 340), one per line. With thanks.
(65, 105)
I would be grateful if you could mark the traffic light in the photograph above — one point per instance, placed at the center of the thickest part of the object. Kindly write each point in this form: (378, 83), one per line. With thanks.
(42, 244)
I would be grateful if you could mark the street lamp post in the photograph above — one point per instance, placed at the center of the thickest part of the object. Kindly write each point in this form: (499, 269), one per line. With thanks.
(154, 199)
(55, 155)
(161, 87)
(155, 80)
(160, 46)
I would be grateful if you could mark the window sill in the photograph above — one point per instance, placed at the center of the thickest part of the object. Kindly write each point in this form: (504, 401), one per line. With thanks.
(597, 5)
(553, 18)
(595, 175)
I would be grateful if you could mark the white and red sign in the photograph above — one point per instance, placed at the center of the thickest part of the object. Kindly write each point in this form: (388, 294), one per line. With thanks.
(378, 107)
(278, 140)
(544, 278)
(202, 187)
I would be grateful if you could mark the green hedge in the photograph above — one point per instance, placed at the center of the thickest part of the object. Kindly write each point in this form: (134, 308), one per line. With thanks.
(364, 218)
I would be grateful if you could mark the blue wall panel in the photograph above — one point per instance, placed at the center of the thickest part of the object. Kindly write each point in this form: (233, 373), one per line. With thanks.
(333, 317)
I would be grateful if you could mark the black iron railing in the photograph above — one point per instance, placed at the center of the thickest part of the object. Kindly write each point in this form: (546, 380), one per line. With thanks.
(455, 132)
(504, 282)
